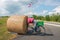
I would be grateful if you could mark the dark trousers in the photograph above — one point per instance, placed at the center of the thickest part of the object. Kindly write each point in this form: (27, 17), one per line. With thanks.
(36, 28)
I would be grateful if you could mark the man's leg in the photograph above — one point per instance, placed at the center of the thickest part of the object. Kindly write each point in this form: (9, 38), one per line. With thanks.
(37, 29)
(44, 29)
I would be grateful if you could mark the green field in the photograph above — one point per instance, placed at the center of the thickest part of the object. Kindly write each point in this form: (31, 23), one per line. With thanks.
(4, 34)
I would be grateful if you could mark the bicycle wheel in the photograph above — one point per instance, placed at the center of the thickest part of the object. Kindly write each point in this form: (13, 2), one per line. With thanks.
(40, 29)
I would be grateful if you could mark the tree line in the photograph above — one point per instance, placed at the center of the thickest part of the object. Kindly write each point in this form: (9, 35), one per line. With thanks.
(53, 17)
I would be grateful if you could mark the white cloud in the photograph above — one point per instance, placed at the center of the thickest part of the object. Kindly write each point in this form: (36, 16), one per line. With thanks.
(30, 13)
(3, 12)
(24, 0)
(15, 0)
(55, 10)
(44, 11)
(51, 2)
(45, 2)
(2, 4)
(21, 0)
(24, 8)
(2, 0)
(51, 12)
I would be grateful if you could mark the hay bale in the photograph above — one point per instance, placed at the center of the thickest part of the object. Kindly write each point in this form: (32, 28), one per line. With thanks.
(17, 24)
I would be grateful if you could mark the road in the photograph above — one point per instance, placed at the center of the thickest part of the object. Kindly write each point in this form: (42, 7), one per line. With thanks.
(52, 33)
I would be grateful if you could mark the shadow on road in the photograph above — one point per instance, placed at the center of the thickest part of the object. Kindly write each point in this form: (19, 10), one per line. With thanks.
(40, 34)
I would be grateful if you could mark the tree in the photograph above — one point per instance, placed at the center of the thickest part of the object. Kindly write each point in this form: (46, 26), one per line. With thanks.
(34, 16)
(47, 18)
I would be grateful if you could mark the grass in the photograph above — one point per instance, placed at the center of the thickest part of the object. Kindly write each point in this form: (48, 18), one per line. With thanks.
(4, 34)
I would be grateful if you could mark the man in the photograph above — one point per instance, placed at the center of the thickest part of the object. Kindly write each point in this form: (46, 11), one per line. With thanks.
(30, 25)
(39, 25)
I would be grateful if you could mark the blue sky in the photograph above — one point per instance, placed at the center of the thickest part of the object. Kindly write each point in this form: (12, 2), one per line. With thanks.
(29, 7)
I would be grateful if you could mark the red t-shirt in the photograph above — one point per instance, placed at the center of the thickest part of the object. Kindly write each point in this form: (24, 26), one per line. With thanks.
(30, 20)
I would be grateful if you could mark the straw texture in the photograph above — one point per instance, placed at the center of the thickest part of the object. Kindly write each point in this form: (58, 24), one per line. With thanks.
(17, 24)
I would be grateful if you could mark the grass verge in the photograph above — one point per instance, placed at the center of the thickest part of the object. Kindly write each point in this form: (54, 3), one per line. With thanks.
(4, 34)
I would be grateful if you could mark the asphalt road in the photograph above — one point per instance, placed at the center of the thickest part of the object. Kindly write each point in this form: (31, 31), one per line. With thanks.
(52, 33)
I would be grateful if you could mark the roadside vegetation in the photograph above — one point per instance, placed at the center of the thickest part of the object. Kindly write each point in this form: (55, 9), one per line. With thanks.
(4, 34)
(53, 17)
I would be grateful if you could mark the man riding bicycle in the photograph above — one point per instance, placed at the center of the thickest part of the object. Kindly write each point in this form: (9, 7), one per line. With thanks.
(37, 25)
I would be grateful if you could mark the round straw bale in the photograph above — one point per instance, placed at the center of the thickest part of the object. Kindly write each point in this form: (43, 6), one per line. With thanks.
(17, 24)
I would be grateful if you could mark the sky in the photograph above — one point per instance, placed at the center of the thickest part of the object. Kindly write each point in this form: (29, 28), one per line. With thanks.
(29, 7)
